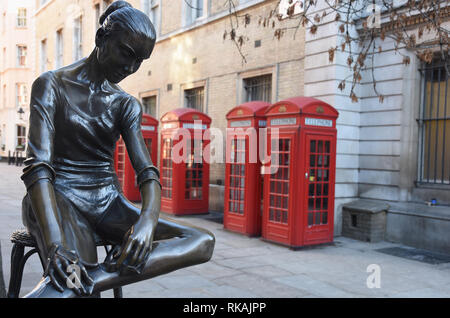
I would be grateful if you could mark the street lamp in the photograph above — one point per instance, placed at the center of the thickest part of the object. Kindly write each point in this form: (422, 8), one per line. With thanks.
(20, 112)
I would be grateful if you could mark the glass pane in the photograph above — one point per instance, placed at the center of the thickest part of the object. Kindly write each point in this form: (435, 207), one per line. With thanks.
(310, 218)
(320, 146)
(313, 146)
(317, 218)
(311, 190)
(325, 218)
(311, 204)
(312, 160)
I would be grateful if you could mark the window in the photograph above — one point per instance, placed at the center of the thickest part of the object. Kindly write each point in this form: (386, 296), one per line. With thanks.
(59, 46)
(21, 137)
(193, 98)
(97, 16)
(151, 8)
(43, 55)
(22, 17)
(435, 125)
(78, 39)
(149, 105)
(258, 88)
(21, 55)
(21, 95)
(194, 10)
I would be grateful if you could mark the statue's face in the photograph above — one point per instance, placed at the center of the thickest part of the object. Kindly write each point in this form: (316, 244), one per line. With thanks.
(121, 53)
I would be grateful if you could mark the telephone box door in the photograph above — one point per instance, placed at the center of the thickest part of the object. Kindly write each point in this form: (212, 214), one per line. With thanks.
(319, 175)
(279, 190)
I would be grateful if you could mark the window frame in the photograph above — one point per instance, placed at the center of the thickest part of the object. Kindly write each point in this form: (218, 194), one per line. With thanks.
(59, 48)
(424, 141)
(77, 46)
(195, 89)
(19, 56)
(21, 18)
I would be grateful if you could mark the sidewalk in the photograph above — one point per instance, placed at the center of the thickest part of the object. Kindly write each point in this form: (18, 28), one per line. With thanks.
(248, 267)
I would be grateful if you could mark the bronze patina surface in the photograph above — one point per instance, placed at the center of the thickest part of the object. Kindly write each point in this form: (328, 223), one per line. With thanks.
(73, 200)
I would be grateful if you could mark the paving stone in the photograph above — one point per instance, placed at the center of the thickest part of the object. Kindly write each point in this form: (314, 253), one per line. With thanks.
(249, 267)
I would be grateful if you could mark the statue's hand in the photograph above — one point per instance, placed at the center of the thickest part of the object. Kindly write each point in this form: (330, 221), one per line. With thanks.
(61, 262)
(137, 244)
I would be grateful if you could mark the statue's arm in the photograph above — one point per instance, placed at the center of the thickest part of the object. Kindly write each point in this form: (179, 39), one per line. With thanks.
(141, 234)
(38, 172)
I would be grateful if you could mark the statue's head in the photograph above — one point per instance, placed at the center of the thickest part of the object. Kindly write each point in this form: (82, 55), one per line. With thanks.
(125, 38)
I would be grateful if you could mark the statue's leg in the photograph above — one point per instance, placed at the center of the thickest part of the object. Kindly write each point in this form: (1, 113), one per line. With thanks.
(176, 245)
(78, 234)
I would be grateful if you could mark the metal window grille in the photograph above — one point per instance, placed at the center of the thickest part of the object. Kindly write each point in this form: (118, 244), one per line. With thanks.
(194, 98)
(434, 123)
(258, 88)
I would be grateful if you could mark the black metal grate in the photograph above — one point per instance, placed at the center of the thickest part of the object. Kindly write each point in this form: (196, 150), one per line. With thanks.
(434, 122)
(258, 88)
(194, 98)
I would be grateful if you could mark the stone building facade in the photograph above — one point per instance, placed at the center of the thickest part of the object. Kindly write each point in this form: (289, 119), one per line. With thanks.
(396, 151)
(16, 72)
(192, 65)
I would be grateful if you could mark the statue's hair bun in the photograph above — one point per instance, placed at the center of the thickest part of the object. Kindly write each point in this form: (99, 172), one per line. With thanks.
(116, 5)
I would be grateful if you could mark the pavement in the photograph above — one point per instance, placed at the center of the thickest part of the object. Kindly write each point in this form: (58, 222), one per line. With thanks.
(243, 267)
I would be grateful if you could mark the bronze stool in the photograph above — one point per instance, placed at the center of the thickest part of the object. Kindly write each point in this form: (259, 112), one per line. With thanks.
(20, 240)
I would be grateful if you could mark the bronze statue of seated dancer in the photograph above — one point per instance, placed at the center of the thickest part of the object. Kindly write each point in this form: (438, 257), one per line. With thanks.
(73, 195)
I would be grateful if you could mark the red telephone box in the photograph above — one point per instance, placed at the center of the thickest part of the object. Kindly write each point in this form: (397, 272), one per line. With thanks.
(185, 183)
(122, 163)
(299, 193)
(243, 179)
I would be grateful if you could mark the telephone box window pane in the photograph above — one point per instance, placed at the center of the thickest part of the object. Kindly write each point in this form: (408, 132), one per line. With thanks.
(325, 204)
(284, 217)
(277, 216)
(311, 204)
(325, 189)
(285, 202)
(318, 203)
(326, 175)
(311, 190)
(319, 161)
(166, 173)
(320, 147)
(317, 221)
(313, 146)
(312, 160)
(326, 161)
(325, 218)
(327, 146)
(310, 218)
(318, 189)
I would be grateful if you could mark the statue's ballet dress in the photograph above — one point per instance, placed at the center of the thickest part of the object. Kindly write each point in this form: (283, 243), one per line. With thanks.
(72, 142)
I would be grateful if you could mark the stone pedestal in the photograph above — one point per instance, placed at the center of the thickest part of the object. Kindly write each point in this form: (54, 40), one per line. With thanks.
(364, 220)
